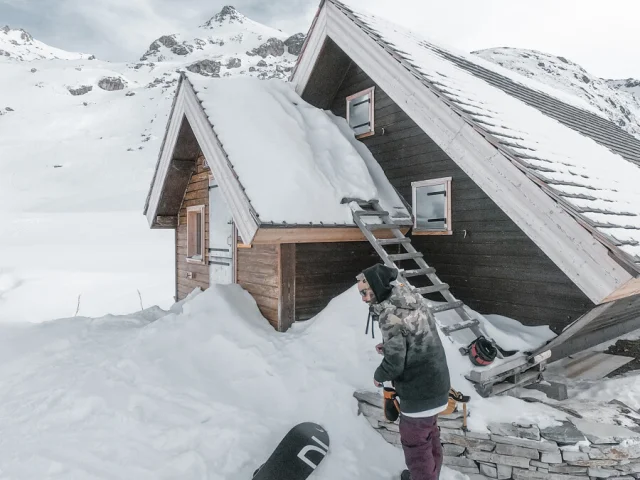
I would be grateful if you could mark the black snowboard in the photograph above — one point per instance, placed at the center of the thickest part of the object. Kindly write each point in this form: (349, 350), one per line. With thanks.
(297, 455)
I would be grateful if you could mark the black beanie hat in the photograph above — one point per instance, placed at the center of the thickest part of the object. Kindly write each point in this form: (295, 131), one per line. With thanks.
(379, 278)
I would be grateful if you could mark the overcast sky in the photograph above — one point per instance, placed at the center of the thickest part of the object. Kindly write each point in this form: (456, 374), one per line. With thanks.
(601, 35)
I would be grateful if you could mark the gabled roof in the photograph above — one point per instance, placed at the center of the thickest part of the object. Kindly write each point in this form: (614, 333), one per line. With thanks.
(564, 174)
(278, 160)
(590, 164)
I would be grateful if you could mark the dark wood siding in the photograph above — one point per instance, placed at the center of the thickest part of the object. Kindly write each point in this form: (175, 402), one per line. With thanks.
(196, 193)
(258, 273)
(488, 261)
(325, 270)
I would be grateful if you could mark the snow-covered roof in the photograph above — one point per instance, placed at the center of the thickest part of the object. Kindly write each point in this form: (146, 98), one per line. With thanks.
(296, 163)
(585, 162)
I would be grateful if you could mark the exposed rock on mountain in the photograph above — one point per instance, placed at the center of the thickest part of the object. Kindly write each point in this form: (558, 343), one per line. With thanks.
(80, 90)
(111, 84)
(206, 67)
(614, 98)
(273, 47)
(294, 43)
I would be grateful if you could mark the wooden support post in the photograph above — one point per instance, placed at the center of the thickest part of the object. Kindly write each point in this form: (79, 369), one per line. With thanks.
(287, 282)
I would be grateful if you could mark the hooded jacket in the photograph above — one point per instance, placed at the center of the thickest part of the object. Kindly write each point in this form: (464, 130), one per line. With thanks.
(414, 358)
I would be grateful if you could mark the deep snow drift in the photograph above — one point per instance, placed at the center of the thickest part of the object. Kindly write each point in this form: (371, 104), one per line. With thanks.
(203, 391)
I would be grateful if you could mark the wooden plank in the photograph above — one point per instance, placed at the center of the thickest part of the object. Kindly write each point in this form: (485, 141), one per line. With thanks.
(202, 271)
(314, 235)
(193, 283)
(257, 278)
(201, 177)
(266, 258)
(271, 303)
(197, 195)
(263, 290)
(576, 326)
(629, 289)
(194, 203)
(256, 269)
(588, 365)
(287, 280)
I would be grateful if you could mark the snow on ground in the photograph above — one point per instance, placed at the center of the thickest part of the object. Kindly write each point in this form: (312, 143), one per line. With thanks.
(205, 390)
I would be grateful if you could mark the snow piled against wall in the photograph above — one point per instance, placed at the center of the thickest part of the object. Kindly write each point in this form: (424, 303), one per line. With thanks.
(205, 390)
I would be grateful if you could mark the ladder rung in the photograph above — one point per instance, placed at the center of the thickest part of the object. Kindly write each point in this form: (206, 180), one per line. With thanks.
(447, 306)
(404, 256)
(371, 213)
(392, 241)
(432, 289)
(417, 272)
(386, 226)
(459, 326)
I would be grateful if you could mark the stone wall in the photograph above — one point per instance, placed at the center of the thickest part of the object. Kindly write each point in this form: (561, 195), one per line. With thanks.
(520, 452)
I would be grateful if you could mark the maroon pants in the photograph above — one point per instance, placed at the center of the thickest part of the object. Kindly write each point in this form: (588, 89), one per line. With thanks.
(420, 439)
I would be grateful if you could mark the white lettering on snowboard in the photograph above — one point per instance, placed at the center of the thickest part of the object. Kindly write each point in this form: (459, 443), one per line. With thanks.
(313, 448)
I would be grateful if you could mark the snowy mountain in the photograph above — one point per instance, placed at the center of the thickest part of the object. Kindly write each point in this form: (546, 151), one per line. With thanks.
(20, 45)
(79, 139)
(615, 98)
(630, 85)
(227, 44)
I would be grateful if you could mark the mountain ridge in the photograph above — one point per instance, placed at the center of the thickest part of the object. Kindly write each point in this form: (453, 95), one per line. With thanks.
(618, 100)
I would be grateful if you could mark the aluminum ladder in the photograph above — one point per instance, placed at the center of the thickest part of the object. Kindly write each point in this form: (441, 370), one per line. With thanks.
(489, 381)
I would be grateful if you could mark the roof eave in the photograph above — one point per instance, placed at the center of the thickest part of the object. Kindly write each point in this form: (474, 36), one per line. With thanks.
(552, 228)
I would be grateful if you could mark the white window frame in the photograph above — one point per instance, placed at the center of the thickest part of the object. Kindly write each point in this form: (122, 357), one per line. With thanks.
(191, 211)
(351, 98)
(447, 230)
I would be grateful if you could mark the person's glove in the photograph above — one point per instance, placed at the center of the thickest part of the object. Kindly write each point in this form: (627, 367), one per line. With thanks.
(391, 407)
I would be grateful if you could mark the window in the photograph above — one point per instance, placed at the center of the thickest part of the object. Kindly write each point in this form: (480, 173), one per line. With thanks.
(195, 234)
(360, 113)
(432, 207)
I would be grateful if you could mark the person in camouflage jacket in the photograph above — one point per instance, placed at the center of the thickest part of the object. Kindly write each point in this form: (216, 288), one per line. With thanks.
(415, 362)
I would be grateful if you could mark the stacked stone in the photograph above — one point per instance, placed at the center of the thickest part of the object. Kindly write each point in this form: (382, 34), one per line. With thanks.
(520, 452)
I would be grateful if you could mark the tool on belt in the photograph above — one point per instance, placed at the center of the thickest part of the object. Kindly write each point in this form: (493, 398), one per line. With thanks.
(391, 406)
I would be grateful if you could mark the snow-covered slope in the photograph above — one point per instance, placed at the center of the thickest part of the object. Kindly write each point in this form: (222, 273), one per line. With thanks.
(20, 45)
(630, 85)
(79, 140)
(613, 98)
(205, 391)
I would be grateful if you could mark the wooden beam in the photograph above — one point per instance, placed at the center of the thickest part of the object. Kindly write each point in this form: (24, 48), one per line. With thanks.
(166, 222)
(315, 235)
(287, 281)
(575, 327)
(632, 287)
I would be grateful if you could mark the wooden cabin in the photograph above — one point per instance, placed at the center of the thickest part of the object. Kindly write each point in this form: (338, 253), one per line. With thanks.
(502, 177)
